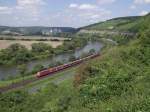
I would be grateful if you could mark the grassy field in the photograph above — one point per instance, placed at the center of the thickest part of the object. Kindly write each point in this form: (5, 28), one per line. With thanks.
(6, 83)
(57, 79)
(5, 43)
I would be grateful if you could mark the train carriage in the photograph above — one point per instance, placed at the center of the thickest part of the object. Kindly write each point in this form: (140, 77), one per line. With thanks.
(50, 71)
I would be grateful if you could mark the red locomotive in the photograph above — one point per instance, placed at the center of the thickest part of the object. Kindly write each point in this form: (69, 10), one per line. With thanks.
(53, 70)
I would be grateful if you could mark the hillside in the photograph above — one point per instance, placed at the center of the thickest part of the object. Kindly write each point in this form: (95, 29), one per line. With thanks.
(118, 81)
(131, 24)
(6, 30)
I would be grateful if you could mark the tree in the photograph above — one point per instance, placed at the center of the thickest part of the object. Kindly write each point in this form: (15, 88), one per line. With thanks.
(72, 58)
(92, 51)
(41, 48)
(22, 70)
(15, 54)
(38, 68)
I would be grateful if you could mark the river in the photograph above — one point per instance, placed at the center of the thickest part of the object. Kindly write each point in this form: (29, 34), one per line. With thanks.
(13, 71)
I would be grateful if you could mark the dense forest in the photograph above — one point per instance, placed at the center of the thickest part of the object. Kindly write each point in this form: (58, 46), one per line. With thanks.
(118, 81)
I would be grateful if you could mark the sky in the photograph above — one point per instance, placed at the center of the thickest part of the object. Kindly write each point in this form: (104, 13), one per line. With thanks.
(68, 13)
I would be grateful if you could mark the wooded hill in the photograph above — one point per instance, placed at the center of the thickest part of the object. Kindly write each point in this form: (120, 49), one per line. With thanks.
(35, 30)
(132, 24)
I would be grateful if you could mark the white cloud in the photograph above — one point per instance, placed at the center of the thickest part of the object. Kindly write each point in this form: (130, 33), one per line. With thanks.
(29, 5)
(102, 2)
(95, 16)
(83, 6)
(5, 10)
(73, 5)
(87, 6)
(143, 13)
(138, 1)
(84, 14)
(28, 9)
(133, 7)
(30, 2)
(141, 1)
(147, 1)
(29, 12)
(81, 14)
(24, 12)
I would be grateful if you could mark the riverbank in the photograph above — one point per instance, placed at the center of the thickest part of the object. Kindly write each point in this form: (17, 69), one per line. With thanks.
(22, 55)
(46, 63)
(107, 43)
(27, 81)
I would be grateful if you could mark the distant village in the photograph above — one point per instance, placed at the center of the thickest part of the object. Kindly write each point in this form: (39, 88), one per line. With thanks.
(51, 31)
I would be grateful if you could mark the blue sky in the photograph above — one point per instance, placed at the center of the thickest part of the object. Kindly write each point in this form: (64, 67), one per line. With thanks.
(73, 13)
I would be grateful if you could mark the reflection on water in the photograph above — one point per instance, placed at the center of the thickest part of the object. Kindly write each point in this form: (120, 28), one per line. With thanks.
(7, 71)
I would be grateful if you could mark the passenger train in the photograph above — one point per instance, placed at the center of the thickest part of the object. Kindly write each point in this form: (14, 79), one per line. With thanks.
(53, 70)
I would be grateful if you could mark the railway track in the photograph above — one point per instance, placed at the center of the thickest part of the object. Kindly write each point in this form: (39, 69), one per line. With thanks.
(17, 85)
(34, 79)
(23, 83)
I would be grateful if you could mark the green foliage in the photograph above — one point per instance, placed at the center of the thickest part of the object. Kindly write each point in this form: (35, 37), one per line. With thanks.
(55, 63)
(72, 58)
(121, 40)
(41, 48)
(121, 74)
(37, 68)
(63, 103)
(125, 24)
(74, 44)
(18, 54)
(92, 51)
(22, 69)
(8, 101)
(114, 24)
(118, 81)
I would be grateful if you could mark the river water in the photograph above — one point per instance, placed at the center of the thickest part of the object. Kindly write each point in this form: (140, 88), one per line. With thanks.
(13, 71)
